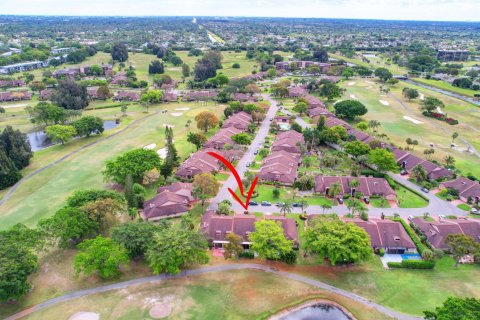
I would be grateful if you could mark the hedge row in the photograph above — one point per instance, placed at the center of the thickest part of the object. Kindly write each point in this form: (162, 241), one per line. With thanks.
(412, 264)
(416, 240)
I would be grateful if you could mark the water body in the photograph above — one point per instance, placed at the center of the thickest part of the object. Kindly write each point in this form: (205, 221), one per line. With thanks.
(319, 311)
(39, 140)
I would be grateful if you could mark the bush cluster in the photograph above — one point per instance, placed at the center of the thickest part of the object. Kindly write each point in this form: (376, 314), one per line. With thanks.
(412, 264)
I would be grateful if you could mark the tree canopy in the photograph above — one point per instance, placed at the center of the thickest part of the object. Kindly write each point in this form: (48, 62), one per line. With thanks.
(206, 120)
(70, 95)
(269, 241)
(134, 163)
(383, 159)
(176, 247)
(349, 109)
(338, 241)
(455, 308)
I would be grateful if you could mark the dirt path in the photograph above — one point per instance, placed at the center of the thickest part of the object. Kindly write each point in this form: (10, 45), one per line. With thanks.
(121, 285)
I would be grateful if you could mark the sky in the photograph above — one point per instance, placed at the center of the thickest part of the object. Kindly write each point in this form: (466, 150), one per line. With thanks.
(437, 10)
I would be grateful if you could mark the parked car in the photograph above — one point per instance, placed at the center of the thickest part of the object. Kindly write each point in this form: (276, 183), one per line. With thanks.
(278, 204)
(266, 203)
(474, 211)
(248, 164)
(403, 172)
(255, 152)
(296, 205)
(340, 200)
(366, 200)
(253, 203)
(410, 218)
(425, 190)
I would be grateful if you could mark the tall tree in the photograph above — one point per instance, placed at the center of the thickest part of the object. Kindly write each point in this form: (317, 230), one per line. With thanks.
(120, 52)
(134, 162)
(59, 132)
(461, 245)
(16, 146)
(176, 247)
(9, 173)
(383, 159)
(338, 241)
(206, 120)
(70, 95)
(88, 125)
(100, 255)
(455, 308)
(269, 241)
(350, 109)
(198, 139)
(234, 247)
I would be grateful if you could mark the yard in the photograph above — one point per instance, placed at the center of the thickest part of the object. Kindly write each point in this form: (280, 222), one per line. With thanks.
(265, 193)
(43, 194)
(409, 199)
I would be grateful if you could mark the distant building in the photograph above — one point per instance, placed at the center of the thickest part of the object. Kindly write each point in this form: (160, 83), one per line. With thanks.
(23, 66)
(453, 55)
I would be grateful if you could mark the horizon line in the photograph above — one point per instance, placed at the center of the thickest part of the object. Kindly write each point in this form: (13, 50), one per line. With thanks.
(227, 16)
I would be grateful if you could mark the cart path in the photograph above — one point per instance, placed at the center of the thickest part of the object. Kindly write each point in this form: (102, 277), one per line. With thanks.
(251, 266)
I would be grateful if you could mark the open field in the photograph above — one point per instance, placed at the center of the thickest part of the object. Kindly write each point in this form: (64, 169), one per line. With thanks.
(375, 62)
(141, 61)
(225, 295)
(431, 131)
(44, 193)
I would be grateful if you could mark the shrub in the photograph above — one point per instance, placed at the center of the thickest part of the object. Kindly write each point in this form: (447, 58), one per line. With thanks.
(246, 255)
(236, 65)
(289, 258)
(418, 243)
(391, 182)
(412, 264)
(381, 252)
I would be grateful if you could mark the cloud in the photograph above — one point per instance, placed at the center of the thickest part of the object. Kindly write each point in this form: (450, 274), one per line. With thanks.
(367, 9)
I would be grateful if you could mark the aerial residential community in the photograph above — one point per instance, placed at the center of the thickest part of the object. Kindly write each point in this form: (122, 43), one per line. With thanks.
(199, 162)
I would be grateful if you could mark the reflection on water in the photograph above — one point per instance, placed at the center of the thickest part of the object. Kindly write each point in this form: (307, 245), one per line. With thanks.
(39, 140)
(318, 311)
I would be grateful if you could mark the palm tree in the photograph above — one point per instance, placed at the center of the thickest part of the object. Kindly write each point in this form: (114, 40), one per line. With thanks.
(285, 208)
(304, 204)
(419, 173)
(326, 206)
(454, 136)
(449, 161)
(334, 190)
(354, 205)
(374, 124)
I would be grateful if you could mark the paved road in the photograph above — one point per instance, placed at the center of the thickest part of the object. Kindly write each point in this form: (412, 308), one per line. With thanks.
(436, 206)
(121, 285)
(248, 156)
(448, 93)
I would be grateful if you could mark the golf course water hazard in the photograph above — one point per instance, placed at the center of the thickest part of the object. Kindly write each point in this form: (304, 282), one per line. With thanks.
(316, 312)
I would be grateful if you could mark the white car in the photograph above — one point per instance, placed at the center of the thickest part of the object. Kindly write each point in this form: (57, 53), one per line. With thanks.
(474, 211)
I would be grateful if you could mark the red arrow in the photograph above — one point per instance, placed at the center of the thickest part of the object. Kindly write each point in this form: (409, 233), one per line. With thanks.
(239, 181)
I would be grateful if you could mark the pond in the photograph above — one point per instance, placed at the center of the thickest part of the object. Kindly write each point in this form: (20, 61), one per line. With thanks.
(318, 311)
(39, 140)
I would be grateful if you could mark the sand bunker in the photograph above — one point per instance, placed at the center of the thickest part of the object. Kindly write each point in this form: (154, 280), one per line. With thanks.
(422, 96)
(160, 310)
(385, 103)
(17, 105)
(351, 83)
(353, 96)
(369, 82)
(412, 120)
(182, 109)
(150, 146)
(85, 316)
(176, 114)
(162, 153)
(168, 125)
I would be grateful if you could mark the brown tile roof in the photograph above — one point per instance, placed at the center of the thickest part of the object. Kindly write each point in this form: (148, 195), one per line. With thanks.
(465, 187)
(179, 188)
(240, 120)
(165, 204)
(368, 186)
(222, 137)
(198, 162)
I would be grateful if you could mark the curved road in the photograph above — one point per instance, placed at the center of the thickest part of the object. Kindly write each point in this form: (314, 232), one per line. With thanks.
(445, 92)
(68, 155)
(121, 285)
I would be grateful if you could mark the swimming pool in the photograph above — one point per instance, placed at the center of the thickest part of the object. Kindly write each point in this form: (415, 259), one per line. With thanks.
(284, 126)
(411, 256)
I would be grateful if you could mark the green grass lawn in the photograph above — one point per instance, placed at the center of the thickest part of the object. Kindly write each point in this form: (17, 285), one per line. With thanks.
(431, 131)
(409, 291)
(464, 207)
(265, 193)
(408, 199)
(221, 295)
(222, 176)
(42, 195)
(378, 203)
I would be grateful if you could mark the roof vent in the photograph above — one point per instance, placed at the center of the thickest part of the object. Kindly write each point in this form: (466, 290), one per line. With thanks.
(396, 238)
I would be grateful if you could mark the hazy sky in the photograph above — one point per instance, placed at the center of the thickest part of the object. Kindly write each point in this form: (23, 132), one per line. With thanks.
(450, 10)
